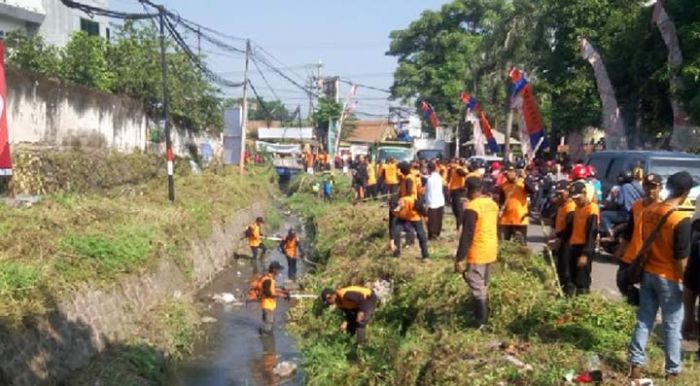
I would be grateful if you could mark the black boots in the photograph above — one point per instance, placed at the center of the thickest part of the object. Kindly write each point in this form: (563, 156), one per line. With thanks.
(481, 312)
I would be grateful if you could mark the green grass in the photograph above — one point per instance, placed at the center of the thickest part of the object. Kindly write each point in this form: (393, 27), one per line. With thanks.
(423, 335)
(68, 239)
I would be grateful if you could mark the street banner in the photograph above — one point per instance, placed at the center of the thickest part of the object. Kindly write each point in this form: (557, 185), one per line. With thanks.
(524, 102)
(5, 158)
(430, 115)
(476, 115)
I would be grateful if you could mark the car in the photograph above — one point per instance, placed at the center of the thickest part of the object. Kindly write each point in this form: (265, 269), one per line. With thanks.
(488, 159)
(609, 164)
(430, 154)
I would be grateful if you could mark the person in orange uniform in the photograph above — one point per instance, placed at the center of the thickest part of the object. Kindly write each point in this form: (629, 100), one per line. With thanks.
(371, 178)
(405, 216)
(410, 184)
(584, 231)
(668, 232)
(390, 176)
(309, 162)
(292, 250)
(563, 224)
(455, 186)
(513, 193)
(478, 246)
(417, 176)
(631, 240)
(442, 167)
(255, 235)
(357, 303)
(270, 293)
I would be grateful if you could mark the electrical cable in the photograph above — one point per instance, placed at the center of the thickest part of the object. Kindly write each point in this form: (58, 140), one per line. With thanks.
(347, 81)
(266, 52)
(285, 76)
(92, 10)
(260, 101)
(255, 62)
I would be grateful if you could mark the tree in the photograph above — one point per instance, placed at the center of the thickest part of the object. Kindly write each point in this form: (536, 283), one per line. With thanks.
(84, 61)
(326, 110)
(31, 53)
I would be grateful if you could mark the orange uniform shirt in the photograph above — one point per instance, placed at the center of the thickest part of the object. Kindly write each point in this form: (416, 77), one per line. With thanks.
(661, 260)
(581, 215)
(269, 302)
(484, 245)
(562, 213)
(515, 207)
(635, 243)
(391, 174)
(254, 240)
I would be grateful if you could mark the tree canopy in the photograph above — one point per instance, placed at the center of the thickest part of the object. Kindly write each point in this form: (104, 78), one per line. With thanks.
(470, 44)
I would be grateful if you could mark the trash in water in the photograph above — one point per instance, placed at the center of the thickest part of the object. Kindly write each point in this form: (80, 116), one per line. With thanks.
(208, 319)
(642, 382)
(224, 297)
(285, 369)
(383, 289)
(238, 273)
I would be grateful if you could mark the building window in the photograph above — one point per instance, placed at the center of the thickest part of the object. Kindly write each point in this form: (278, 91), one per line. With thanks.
(92, 28)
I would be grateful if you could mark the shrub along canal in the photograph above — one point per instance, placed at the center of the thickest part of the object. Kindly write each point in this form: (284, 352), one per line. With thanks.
(231, 350)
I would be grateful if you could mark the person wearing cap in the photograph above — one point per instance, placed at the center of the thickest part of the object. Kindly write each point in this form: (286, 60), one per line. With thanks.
(584, 230)
(405, 216)
(478, 246)
(357, 303)
(455, 186)
(390, 175)
(631, 191)
(631, 240)
(255, 235)
(662, 278)
(563, 225)
(513, 217)
(409, 185)
(292, 249)
(270, 293)
(435, 200)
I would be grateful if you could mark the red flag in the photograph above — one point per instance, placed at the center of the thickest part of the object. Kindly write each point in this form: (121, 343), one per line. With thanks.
(5, 159)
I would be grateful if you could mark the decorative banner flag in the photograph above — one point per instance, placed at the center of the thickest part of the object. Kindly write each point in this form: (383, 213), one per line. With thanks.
(429, 114)
(529, 114)
(475, 115)
(5, 159)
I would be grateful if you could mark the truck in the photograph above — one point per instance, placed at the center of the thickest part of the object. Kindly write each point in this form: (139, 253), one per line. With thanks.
(400, 151)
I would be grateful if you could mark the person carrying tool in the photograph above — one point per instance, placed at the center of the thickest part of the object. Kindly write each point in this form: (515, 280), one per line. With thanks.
(292, 250)
(584, 231)
(631, 240)
(513, 216)
(666, 232)
(563, 224)
(478, 246)
(357, 303)
(254, 235)
(405, 215)
(269, 295)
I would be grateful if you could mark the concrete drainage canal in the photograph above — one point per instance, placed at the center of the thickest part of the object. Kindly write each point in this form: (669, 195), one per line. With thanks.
(231, 351)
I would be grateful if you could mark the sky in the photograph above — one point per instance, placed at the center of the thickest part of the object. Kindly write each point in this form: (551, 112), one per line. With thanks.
(349, 38)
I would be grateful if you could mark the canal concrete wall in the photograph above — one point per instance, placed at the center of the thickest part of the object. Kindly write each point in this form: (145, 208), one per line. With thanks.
(49, 348)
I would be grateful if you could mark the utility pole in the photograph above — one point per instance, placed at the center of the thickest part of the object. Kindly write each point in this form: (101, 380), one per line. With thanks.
(166, 107)
(244, 119)
(199, 42)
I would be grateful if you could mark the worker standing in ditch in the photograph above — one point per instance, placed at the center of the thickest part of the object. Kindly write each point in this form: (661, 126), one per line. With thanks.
(513, 217)
(583, 237)
(478, 246)
(357, 303)
(631, 240)
(292, 250)
(270, 293)
(254, 235)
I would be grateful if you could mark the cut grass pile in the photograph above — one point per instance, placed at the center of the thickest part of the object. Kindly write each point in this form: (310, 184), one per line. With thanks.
(423, 335)
(65, 240)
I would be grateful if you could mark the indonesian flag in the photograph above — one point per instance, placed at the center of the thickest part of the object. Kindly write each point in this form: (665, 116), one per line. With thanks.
(529, 118)
(5, 158)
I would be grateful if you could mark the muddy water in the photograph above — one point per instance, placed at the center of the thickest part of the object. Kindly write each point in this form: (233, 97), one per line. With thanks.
(232, 352)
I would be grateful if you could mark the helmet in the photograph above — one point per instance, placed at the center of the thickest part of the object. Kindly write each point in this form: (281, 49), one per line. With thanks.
(496, 166)
(626, 177)
(591, 170)
(520, 164)
(579, 172)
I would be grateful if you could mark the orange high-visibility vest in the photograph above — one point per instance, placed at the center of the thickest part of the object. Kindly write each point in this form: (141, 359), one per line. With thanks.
(484, 246)
(515, 208)
(254, 239)
(581, 215)
(269, 302)
(290, 247)
(391, 174)
(635, 243)
(345, 304)
(661, 260)
(562, 212)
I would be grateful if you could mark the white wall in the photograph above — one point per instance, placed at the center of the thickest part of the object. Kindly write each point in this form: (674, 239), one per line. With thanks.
(57, 113)
(61, 22)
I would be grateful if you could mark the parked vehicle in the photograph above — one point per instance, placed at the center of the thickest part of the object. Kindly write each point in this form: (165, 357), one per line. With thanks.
(429, 154)
(400, 151)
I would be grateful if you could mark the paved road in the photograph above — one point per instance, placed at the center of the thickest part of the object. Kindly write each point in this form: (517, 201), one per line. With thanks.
(604, 271)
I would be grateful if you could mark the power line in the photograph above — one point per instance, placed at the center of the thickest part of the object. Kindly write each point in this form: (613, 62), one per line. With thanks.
(260, 100)
(346, 81)
(255, 62)
(92, 10)
(283, 75)
(266, 52)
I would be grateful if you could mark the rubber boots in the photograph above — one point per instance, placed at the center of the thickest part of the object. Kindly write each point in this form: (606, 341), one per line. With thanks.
(481, 312)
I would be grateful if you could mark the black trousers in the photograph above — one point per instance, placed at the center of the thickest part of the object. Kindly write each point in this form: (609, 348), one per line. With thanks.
(254, 250)
(371, 190)
(628, 290)
(398, 225)
(359, 328)
(456, 202)
(563, 260)
(580, 277)
(291, 267)
(392, 188)
(435, 222)
(518, 232)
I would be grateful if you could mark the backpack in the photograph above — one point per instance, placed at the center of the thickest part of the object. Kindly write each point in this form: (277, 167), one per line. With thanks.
(248, 232)
(255, 291)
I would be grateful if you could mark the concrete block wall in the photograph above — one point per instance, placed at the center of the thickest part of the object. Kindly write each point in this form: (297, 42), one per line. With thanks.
(52, 346)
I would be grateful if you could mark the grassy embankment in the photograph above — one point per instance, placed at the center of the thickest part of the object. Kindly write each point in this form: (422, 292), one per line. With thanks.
(104, 216)
(423, 334)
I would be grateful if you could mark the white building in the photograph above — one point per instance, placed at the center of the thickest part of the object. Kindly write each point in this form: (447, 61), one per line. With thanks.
(51, 19)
